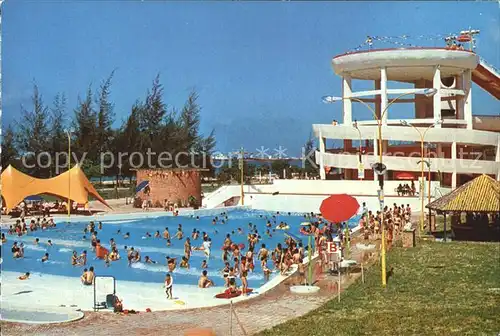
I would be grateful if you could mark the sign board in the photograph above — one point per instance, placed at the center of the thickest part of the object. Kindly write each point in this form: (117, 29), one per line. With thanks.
(331, 248)
(361, 171)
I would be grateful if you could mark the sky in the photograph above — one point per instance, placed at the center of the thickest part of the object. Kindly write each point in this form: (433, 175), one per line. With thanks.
(260, 68)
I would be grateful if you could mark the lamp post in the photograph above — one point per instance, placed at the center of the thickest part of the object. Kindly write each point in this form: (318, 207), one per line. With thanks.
(422, 157)
(355, 125)
(331, 99)
(68, 133)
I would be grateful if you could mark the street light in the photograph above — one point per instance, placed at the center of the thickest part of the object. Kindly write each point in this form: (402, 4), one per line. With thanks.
(360, 166)
(422, 161)
(331, 99)
(68, 133)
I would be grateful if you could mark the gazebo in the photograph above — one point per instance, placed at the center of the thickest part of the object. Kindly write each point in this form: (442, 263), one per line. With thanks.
(479, 199)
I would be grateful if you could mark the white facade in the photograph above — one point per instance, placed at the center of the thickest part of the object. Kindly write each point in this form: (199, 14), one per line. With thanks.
(446, 118)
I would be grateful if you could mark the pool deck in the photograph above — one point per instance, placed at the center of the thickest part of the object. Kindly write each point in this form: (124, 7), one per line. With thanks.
(261, 312)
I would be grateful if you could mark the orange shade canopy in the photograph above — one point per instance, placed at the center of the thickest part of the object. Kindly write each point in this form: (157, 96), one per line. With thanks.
(73, 184)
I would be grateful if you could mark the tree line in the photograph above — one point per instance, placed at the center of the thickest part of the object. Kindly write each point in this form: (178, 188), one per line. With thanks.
(149, 126)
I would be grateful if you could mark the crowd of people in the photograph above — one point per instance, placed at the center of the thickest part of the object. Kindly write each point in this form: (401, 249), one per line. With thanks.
(395, 220)
(239, 259)
(406, 190)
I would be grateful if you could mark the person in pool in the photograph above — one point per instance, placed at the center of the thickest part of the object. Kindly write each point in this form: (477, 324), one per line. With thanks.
(204, 264)
(4, 240)
(204, 281)
(82, 260)
(127, 235)
(74, 259)
(166, 234)
(45, 257)
(171, 263)
(87, 277)
(148, 235)
(179, 233)
(187, 249)
(157, 234)
(148, 260)
(49, 242)
(25, 276)
(184, 263)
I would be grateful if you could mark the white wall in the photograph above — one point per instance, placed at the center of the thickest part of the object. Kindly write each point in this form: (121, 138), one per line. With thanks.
(301, 203)
(307, 193)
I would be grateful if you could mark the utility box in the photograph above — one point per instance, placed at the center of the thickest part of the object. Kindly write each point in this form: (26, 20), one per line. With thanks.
(408, 238)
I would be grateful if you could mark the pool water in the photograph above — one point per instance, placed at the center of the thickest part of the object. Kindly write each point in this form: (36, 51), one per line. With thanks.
(68, 237)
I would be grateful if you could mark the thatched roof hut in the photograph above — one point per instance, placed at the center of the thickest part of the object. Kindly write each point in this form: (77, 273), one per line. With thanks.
(479, 195)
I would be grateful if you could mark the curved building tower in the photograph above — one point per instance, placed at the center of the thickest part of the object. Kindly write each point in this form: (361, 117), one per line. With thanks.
(458, 145)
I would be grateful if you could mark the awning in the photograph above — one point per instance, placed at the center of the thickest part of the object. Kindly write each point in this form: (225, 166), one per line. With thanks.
(141, 186)
(404, 176)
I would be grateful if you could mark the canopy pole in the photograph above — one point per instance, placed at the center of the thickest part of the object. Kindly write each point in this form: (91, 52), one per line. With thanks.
(444, 227)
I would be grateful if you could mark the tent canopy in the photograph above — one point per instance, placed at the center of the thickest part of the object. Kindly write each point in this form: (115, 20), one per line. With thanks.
(72, 184)
(482, 194)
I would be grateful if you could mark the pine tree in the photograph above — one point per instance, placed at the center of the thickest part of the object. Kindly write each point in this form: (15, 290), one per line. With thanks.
(105, 115)
(58, 137)
(84, 128)
(33, 136)
(9, 151)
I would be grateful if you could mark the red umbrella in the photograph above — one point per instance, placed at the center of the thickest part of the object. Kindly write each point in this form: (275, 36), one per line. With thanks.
(339, 208)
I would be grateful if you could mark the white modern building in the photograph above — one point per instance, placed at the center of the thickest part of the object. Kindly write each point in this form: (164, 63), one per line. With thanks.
(459, 145)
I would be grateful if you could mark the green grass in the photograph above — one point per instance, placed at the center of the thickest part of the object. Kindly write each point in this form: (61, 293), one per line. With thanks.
(436, 289)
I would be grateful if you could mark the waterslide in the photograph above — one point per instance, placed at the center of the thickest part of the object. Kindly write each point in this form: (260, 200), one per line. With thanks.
(487, 77)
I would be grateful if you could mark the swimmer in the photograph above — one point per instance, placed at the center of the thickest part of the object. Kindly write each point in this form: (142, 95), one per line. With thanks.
(148, 235)
(100, 226)
(157, 234)
(171, 263)
(84, 238)
(4, 240)
(166, 234)
(49, 243)
(179, 233)
(118, 231)
(197, 217)
(168, 242)
(187, 248)
(87, 277)
(184, 263)
(213, 222)
(240, 231)
(127, 235)
(204, 281)
(74, 259)
(25, 276)
(45, 257)
(82, 260)
(204, 264)
(37, 241)
(196, 235)
(148, 260)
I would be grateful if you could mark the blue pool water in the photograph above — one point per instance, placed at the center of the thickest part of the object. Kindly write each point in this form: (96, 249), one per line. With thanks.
(68, 237)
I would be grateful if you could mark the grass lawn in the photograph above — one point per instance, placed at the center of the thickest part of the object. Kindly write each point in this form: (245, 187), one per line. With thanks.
(436, 289)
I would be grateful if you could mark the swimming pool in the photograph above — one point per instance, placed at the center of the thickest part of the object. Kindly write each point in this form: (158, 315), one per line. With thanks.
(67, 237)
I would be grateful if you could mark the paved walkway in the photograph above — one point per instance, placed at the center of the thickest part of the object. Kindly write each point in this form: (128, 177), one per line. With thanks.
(263, 312)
